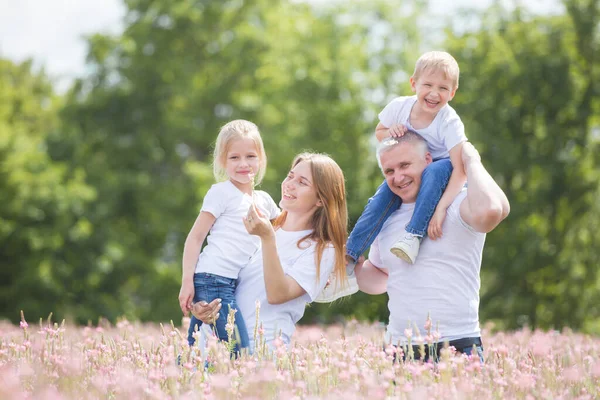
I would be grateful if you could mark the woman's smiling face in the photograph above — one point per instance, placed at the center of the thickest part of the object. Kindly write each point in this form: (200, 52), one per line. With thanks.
(298, 192)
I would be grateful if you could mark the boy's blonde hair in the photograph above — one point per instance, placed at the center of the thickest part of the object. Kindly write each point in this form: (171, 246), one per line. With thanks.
(238, 129)
(433, 61)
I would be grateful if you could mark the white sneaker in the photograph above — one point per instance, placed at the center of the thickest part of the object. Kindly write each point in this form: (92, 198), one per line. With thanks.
(407, 248)
(334, 289)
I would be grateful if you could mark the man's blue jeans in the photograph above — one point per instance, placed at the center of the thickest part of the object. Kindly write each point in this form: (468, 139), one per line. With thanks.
(384, 202)
(209, 287)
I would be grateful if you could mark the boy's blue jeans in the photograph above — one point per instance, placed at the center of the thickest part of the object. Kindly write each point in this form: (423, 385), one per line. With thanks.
(209, 287)
(384, 202)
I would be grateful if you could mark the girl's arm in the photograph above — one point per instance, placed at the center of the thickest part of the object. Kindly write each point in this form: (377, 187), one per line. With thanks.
(280, 287)
(191, 251)
(455, 185)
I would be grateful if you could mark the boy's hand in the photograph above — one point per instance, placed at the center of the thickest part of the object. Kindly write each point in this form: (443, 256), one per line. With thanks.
(397, 130)
(435, 225)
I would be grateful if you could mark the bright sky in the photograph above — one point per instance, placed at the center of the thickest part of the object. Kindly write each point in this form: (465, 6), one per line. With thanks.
(52, 32)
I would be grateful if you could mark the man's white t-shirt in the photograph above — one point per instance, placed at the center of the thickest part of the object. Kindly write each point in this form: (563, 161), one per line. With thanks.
(444, 281)
(444, 132)
(297, 263)
(229, 245)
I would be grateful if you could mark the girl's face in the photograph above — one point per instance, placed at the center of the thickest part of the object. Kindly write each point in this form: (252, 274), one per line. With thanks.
(242, 162)
(298, 193)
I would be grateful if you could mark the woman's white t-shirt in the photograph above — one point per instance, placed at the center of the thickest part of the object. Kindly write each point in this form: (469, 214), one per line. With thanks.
(229, 245)
(299, 264)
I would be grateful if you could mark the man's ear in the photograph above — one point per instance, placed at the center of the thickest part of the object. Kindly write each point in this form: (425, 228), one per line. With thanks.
(428, 158)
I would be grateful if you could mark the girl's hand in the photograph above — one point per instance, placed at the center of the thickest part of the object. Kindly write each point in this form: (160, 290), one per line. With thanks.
(186, 295)
(435, 225)
(257, 224)
(207, 312)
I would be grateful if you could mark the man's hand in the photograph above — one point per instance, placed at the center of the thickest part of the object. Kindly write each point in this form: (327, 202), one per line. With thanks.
(397, 130)
(435, 225)
(469, 154)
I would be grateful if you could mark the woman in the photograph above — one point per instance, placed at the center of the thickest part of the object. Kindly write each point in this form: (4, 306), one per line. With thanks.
(298, 252)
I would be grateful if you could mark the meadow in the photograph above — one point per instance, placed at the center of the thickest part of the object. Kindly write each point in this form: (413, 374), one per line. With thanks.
(48, 360)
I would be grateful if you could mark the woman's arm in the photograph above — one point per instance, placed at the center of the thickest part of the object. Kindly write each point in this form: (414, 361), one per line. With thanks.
(191, 251)
(280, 287)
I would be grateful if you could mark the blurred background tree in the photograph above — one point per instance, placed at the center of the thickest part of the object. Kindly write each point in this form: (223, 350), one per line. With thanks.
(101, 185)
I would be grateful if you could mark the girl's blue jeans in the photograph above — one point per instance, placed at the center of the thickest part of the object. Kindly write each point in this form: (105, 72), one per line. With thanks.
(209, 287)
(384, 202)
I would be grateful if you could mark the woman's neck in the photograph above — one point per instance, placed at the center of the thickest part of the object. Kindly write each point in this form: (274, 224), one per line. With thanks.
(297, 222)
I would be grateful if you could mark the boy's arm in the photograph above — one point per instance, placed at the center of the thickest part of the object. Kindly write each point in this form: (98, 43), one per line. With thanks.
(455, 185)
(191, 251)
(397, 130)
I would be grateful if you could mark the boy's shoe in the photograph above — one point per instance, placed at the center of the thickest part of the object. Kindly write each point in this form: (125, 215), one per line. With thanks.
(407, 248)
(334, 290)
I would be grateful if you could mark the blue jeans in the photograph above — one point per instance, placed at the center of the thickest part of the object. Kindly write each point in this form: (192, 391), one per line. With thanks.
(464, 346)
(384, 202)
(209, 287)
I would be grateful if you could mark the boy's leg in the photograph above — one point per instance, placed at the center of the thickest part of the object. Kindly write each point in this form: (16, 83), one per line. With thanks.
(379, 207)
(433, 183)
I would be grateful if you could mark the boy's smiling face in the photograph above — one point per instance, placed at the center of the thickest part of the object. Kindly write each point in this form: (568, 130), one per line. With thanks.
(434, 90)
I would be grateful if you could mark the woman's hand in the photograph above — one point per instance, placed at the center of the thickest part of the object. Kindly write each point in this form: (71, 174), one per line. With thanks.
(257, 224)
(186, 295)
(207, 312)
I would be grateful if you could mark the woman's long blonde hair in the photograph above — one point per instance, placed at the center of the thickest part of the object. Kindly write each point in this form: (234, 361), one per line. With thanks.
(330, 221)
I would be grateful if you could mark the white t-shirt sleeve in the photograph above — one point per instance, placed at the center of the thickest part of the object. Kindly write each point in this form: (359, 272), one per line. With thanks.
(304, 270)
(213, 201)
(375, 255)
(392, 113)
(453, 130)
(271, 208)
(454, 212)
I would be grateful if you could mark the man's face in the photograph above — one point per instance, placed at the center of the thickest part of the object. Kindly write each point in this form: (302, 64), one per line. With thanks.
(402, 167)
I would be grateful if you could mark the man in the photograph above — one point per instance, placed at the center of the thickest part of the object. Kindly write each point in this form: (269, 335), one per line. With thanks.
(444, 282)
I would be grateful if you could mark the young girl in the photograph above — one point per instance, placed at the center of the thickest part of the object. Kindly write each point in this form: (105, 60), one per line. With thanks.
(239, 162)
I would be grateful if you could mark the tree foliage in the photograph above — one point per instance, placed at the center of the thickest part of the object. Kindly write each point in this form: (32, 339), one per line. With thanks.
(529, 98)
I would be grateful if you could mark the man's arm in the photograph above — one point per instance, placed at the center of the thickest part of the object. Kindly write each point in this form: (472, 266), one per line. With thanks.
(371, 280)
(486, 204)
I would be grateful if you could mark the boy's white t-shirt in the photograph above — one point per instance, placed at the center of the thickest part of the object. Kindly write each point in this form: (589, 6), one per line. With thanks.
(443, 283)
(297, 263)
(444, 132)
(229, 245)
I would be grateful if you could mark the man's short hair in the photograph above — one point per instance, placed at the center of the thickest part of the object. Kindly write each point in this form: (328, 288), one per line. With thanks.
(409, 136)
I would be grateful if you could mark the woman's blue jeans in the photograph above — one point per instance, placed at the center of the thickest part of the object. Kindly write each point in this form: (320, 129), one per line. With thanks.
(209, 287)
(384, 202)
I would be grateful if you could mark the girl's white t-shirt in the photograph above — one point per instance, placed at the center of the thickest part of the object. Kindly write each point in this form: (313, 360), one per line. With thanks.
(445, 131)
(229, 245)
(299, 264)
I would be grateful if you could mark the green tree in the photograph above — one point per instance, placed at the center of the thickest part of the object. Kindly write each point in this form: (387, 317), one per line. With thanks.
(529, 98)
(142, 125)
(43, 201)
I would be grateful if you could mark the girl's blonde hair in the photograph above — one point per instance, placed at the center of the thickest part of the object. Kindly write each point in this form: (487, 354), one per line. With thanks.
(238, 129)
(330, 221)
(438, 61)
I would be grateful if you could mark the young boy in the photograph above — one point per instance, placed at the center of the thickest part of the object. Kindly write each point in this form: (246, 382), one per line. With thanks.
(434, 82)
